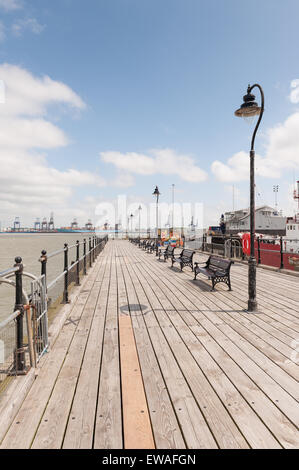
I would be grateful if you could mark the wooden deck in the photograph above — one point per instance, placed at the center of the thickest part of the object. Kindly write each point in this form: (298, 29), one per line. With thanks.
(149, 358)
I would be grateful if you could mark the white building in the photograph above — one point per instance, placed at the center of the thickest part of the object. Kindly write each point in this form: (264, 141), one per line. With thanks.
(267, 221)
(291, 240)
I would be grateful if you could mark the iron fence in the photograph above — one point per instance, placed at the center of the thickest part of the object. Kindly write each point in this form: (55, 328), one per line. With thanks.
(279, 252)
(22, 348)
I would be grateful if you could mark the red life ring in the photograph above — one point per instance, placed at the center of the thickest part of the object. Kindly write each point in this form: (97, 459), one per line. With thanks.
(246, 243)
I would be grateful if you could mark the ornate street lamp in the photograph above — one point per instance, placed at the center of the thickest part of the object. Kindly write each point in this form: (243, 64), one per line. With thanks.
(157, 194)
(249, 109)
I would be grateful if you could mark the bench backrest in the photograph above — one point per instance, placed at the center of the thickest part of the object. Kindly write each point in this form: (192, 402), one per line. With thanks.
(187, 254)
(170, 249)
(220, 264)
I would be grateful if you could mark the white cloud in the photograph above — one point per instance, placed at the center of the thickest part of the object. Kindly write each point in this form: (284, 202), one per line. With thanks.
(294, 95)
(30, 24)
(30, 133)
(30, 96)
(281, 152)
(10, 5)
(27, 181)
(159, 161)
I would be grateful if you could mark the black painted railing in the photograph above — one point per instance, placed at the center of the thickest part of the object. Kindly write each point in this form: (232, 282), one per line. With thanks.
(13, 353)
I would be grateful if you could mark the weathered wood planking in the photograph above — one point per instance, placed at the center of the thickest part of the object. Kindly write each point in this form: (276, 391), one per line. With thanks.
(80, 426)
(136, 420)
(253, 429)
(175, 284)
(108, 423)
(166, 429)
(141, 336)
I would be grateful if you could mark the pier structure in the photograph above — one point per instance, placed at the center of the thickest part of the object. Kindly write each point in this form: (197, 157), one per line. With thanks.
(145, 357)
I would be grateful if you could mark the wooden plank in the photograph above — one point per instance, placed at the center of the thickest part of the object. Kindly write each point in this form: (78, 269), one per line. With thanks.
(80, 427)
(108, 422)
(12, 399)
(136, 420)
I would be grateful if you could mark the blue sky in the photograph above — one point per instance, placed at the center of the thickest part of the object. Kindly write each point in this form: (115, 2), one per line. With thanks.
(143, 92)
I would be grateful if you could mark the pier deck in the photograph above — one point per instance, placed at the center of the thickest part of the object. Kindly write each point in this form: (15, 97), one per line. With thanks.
(149, 358)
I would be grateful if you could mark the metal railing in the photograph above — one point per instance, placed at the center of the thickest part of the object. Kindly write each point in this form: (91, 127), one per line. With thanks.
(20, 349)
(279, 252)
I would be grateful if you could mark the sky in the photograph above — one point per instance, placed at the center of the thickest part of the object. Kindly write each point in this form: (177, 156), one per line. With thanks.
(101, 99)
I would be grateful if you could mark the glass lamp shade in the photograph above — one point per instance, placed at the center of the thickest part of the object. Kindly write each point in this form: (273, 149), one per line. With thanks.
(248, 110)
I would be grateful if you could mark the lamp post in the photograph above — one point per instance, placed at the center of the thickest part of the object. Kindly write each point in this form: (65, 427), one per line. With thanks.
(131, 217)
(249, 109)
(157, 194)
(139, 210)
(275, 190)
(172, 229)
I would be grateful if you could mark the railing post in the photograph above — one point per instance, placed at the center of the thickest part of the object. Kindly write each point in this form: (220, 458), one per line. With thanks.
(19, 353)
(66, 275)
(90, 261)
(84, 256)
(78, 263)
(93, 248)
(258, 250)
(43, 260)
(281, 254)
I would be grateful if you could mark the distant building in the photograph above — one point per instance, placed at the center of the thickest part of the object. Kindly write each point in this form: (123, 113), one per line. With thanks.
(267, 221)
(291, 240)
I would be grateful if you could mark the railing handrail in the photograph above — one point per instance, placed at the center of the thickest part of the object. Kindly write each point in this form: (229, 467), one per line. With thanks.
(9, 271)
(52, 283)
(9, 319)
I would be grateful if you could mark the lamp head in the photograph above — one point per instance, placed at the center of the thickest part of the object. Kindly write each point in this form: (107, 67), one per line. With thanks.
(156, 192)
(249, 108)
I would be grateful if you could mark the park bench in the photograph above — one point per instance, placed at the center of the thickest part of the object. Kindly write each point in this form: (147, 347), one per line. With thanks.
(151, 246)
(146, 244)
(167, 253)
(142, 243)
(184, 259)
(216, 269)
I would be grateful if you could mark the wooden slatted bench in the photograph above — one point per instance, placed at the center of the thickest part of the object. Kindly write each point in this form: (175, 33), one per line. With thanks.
(184, 259)
(167, 253)
(216, 269)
